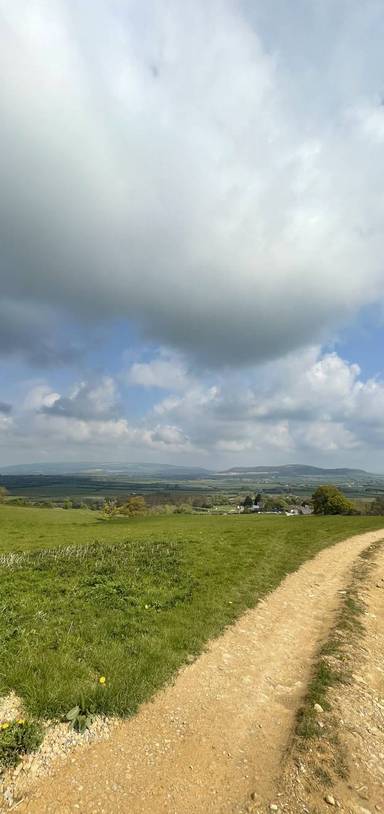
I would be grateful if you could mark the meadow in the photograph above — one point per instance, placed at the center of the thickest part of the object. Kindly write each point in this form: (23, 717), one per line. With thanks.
(132, 599)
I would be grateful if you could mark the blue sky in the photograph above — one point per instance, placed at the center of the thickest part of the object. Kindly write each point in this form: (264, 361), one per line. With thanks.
(191, 232)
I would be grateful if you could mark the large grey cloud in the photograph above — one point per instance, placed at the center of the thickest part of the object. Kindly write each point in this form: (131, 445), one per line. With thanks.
(31, 329)
(158, 163)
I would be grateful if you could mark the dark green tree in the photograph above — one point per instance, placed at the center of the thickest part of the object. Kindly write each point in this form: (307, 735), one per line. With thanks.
(327, 499)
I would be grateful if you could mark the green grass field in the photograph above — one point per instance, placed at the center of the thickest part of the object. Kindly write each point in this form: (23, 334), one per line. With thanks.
(132, 599)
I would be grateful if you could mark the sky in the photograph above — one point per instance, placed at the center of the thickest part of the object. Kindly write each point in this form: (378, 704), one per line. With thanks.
(191, 232)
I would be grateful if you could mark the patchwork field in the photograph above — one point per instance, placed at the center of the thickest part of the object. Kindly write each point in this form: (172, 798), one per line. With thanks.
(132, 599)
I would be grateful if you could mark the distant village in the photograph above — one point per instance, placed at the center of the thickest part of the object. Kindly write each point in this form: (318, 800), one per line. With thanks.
(268, 505)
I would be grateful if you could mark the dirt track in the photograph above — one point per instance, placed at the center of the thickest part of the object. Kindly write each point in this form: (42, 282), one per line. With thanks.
(216, 736)
(346, 758)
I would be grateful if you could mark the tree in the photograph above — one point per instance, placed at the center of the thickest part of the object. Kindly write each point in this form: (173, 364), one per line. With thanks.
(3, 494)
(377, 506)
(248, 502)
(109, 508)
(183, 508)
(327, 499)
(273, 503)
(202, 502)
(133, 506)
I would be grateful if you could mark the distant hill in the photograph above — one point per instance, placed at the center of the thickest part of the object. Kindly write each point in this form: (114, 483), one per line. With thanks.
(297, 471)
(89, 478)
(92, 469)
(158, 471)
(147, 470)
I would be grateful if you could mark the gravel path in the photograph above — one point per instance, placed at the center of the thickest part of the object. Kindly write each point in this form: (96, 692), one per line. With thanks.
(214, 739)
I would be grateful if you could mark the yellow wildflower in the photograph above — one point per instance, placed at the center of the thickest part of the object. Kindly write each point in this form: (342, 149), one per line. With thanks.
(5, 726)
(20, 721)
(102, 680)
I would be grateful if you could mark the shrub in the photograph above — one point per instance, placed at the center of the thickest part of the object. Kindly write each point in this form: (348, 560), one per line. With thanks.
(272, 503)
(17, 738)
(109, 509)
(377, 506)
(134, 505)
(183, 508)
(328, 499)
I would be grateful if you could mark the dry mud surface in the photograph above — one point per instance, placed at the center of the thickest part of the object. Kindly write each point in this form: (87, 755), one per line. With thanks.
(212, 741)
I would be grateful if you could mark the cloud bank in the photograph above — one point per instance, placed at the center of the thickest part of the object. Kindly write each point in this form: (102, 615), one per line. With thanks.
(310, 405)
(158, 165)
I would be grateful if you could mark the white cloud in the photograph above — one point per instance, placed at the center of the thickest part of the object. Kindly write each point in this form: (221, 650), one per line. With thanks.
(87, 400)
(88, 418)
(371, 122)
(325, 437)
(100, 434)
(233, 446)
(6, 422)
(192, 401)
(174, 179)
(167, 438)
(40, 396)
(80, 431)
(167, 373)
(310, 407)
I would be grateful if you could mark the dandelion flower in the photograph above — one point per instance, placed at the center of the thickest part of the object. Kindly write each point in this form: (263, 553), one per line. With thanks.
(20, 721)
(5, 726)
(102, 680)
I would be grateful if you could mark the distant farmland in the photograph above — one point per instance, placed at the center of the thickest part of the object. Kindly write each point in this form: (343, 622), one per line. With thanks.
(77, 486)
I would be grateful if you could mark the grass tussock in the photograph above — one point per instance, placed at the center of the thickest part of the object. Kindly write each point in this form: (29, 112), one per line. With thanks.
(18, 738)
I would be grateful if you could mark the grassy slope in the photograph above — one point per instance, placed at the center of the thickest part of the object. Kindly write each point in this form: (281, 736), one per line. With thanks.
(69, 616)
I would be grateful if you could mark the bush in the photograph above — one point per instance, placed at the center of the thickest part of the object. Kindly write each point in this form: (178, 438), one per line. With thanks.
(110, 509)
(18, 501)
(162, 508)
(17, 738)
(271, 503)
(202, 502)
(134, 505)
(377, 506)
(329, 500)
(183, 508)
